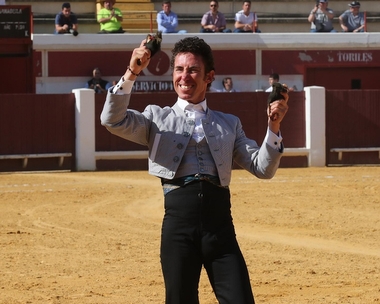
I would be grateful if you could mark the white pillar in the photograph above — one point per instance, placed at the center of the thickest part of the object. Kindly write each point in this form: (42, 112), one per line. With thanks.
(85, 129)
(315, 117)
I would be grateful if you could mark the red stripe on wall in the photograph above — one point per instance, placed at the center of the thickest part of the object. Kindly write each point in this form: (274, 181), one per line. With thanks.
(78, 64)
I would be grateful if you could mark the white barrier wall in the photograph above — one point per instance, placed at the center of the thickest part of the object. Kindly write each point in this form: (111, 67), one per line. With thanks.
(85, 129)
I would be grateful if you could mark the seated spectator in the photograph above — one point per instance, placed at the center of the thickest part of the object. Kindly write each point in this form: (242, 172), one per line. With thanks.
(352, 20)
(321, 18)
(110, 18)
(228, 85)
(66, 21)
(273, 78)
(96, 83)
(214, 21)
(245, 20)
(167, 20)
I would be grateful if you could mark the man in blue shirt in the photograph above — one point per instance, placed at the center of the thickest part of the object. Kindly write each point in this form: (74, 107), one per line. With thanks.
(167, 20)
(66, 21)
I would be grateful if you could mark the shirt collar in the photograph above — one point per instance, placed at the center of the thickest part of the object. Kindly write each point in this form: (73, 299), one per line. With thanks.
(183, 104)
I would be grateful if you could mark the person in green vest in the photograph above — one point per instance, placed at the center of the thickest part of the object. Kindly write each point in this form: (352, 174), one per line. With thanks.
(110, 18)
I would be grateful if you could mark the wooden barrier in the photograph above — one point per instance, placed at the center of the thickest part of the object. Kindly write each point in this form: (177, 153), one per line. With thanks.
(341, 150)
(25, 157)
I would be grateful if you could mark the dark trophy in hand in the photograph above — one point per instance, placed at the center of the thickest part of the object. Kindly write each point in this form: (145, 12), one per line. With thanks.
(279, 92)
(153, 43)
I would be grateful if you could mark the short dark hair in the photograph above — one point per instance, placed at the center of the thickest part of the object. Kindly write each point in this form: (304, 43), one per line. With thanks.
(196, 46)
(274, 76)
(66, 5)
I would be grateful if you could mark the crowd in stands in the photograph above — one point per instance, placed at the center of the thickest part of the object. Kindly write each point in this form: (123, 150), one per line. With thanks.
(213, 21)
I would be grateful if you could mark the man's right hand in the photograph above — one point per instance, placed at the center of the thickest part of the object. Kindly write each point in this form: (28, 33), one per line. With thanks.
(142, 54)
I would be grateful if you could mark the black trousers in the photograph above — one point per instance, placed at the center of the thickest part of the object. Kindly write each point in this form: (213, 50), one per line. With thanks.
(198, 231)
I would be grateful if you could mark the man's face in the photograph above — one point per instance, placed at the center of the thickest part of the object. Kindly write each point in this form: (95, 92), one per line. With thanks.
(166, 8)
(246, 7)
(228, 84)
(108, 4)
(213, 6)
(189, 79)
(322, 5)
(272, 80)
(354, 10)
(96, 74)
(66, 11)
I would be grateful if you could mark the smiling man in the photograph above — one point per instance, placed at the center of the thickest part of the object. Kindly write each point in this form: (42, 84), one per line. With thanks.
(192, 149)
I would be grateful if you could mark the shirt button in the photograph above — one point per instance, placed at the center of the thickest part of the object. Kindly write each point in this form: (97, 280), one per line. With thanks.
(180, 146)
(275, 142)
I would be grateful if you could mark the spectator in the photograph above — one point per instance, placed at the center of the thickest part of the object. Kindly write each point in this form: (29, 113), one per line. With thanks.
(273, 78)
(352, 20)
(110, 18)
(167, 20)
(96, 83)
(321, 18)
(228, 85)
(66, 21)
(245, 20)
(214, 21)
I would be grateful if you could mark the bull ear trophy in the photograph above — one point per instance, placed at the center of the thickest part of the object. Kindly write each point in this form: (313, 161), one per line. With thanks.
(279, 92)
(153, 43)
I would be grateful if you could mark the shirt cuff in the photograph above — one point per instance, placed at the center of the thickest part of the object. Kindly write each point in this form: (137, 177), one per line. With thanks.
(273, 140)
(123, 87)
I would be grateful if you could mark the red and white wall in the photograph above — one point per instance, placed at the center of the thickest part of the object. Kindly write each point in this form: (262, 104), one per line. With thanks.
(335, 61)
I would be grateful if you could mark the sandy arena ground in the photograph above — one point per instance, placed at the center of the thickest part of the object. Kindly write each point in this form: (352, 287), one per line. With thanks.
(309, 235)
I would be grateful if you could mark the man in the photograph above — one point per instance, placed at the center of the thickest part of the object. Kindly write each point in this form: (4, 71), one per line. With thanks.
(110, 18)
(352, 20)
(321, 18)
(228, 85)
(273, 78)
(245, 20)
(96, 83)
(214, 21)
(66, 20)
(192, 149)
(167, 20)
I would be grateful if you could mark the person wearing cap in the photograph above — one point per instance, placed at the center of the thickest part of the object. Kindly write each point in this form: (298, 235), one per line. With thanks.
(352, 20)
(66, 20)
(321, 18)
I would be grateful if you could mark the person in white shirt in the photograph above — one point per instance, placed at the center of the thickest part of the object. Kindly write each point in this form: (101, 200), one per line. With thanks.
(272, 79)
(245, 20)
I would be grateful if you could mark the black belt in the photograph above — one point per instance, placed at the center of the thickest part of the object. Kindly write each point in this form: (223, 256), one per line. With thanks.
(171, 184)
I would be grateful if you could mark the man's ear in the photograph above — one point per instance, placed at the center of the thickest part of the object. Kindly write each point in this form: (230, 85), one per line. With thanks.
(210, 76)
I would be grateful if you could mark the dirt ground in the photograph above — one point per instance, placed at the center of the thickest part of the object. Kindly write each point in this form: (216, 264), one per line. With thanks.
(309, 235)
